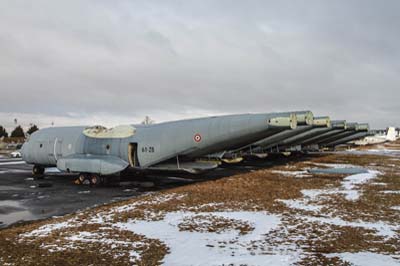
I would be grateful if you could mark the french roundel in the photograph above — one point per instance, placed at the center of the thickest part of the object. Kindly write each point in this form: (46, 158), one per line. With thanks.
(197, 137)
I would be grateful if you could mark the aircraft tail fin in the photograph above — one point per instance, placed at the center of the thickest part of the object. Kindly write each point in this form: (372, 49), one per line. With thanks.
(391, 134)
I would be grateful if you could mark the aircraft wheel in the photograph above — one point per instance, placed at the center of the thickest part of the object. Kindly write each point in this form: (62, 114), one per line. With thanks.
(95, 180)
(81, 179)
(37, 170)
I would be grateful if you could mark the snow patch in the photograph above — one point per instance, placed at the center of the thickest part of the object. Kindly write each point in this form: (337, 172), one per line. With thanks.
(382, 229)
(366, 259)
(378, 184)
(48, 228)
(349, 183)
(336, 165)
(292, 173)
(349, 188)
(153, 201)
(313, 194)
(386, 152)
(205, 248)
(219, 205)
(391, 191)
(301, 205)
(84, 192)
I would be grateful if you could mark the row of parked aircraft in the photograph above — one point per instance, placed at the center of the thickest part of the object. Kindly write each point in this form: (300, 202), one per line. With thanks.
(192, 145)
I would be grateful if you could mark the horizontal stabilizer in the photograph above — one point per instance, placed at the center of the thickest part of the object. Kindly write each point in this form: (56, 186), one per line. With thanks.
(189, 167)
(86, 163)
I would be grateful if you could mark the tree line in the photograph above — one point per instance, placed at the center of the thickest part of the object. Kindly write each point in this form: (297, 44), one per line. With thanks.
(18, 132)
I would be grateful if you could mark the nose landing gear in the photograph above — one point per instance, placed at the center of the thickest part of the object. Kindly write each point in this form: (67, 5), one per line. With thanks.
(38, 171)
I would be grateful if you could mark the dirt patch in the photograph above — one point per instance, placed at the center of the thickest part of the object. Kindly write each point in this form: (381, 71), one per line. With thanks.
(213, 224)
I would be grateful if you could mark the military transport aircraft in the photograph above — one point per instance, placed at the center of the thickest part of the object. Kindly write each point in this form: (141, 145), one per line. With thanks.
(95, 152)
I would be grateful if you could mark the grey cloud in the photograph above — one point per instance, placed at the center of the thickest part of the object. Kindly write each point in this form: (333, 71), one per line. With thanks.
(133, 58)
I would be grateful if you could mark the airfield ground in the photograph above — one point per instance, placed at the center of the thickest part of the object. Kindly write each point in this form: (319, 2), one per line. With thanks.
(269, 215)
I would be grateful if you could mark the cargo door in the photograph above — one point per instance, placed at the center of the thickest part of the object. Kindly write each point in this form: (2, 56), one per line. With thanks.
(53, 148)
(58, 149)
(132, 153)
(49, 148)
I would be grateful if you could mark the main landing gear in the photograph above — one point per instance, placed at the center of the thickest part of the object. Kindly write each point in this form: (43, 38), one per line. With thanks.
(90, 179)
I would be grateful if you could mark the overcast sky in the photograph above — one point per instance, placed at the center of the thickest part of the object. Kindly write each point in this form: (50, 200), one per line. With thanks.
(113, 62)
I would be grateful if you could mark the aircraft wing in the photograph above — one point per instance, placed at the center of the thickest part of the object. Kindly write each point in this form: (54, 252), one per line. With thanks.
(86, 163)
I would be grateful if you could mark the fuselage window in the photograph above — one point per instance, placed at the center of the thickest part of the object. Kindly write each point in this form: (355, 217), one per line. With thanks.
(41, 145)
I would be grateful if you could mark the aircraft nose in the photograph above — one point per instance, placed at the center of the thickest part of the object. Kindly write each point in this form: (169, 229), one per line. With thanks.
(24, 149)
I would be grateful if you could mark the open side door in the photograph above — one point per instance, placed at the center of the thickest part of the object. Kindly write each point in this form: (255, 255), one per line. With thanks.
(132, 154)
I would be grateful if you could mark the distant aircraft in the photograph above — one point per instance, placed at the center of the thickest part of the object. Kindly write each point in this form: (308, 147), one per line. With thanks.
(377, 139)
(334, 135)
(325, 129)
(359, 132)
(278, 140)
(94, 152)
